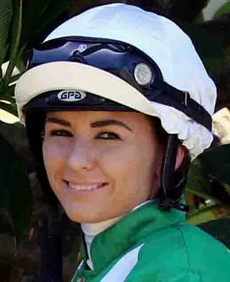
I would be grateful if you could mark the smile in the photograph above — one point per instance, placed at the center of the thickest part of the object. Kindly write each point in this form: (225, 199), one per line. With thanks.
(86, 187)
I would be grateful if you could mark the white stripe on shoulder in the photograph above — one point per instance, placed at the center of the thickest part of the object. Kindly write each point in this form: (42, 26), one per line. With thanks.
(123, 267)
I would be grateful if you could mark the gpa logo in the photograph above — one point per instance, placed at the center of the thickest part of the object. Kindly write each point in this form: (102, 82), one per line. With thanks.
(71, 95)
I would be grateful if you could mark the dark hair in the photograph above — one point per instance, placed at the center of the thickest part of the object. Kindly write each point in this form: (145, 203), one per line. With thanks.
(159, 133)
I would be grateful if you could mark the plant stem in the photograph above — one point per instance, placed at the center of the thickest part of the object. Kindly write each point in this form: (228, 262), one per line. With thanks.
(0, 76)
(203, 195)
(15, 44)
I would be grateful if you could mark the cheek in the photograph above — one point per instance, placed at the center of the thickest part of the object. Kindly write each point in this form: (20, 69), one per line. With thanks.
(144, 168)
(131, 165)
(54, 157)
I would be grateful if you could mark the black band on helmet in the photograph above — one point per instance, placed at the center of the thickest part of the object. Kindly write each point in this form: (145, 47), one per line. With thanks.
(49, 101)
(126, 62)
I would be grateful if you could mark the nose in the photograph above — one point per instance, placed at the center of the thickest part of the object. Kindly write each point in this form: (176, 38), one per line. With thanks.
(80, 156)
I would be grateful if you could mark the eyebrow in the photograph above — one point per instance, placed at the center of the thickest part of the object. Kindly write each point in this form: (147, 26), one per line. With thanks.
(107, 122)
(98, 123)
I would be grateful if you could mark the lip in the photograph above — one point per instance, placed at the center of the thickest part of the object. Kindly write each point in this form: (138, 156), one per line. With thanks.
(85, 187)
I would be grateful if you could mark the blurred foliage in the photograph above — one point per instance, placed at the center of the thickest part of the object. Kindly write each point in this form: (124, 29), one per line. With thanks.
(223, 10)
(208, 187)
(216, 227)
(6, 12)
(22, 24)
(217, 163)
(14, 193)
(25, 23)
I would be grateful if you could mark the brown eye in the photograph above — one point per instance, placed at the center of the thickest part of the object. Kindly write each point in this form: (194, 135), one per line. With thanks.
(108, 136)
(61, 133)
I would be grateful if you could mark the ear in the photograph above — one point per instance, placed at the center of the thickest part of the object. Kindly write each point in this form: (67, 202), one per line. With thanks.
(180, 155)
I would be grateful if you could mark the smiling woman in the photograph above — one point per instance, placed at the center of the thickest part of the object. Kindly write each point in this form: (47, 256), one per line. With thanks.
(94, 162)
(114, 113)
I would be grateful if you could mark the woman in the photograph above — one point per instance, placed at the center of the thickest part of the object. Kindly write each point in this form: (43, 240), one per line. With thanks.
(116, 102)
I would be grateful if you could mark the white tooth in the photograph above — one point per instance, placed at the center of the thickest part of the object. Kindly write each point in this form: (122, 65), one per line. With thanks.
(84, 187)
(89, 188)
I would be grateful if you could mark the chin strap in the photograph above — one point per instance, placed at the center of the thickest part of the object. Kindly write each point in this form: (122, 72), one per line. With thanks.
(172, 182)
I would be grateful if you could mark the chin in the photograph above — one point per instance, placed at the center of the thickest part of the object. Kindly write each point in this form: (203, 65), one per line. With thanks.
(94, 217)
(83, 218)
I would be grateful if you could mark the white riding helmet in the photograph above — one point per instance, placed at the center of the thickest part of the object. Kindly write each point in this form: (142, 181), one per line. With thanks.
(120, 57)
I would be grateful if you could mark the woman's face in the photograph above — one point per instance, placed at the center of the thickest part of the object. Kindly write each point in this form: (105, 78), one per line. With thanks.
(101, 164)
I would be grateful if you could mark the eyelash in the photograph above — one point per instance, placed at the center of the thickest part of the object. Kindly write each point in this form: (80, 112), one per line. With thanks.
(62, 133)
(110, 136)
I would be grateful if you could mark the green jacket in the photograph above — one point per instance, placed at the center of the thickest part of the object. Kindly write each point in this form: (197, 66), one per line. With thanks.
(158, 246)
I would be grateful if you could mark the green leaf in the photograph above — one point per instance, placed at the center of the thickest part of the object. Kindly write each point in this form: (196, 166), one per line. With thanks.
(32, 21)
(15, 193)
(204, 214)
(217, 163)
(20, 64)
(210, 40)
(15, 39)
(198, 183)
(219, 228)
(207, 213)
(6, 11)
(39, 18)
(7, 94)
(225, 9)
(8, 108)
